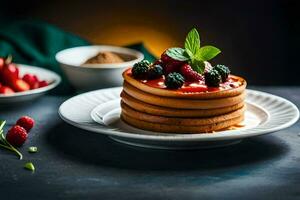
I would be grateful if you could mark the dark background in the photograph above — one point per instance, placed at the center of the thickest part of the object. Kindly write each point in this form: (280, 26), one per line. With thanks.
(259, 39)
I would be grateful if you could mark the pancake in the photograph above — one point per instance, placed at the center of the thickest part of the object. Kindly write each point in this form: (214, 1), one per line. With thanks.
(173, 112)
(180, 121)
(195, 95)
(182, 103)
(180, 129)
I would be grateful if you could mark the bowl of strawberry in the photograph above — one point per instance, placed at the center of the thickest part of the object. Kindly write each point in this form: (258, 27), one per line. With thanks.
(20, 82)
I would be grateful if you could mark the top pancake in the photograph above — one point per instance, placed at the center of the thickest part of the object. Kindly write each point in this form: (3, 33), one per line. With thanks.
(193, 95)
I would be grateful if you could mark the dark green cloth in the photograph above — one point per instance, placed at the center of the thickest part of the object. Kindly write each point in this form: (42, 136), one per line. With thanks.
(36, 43)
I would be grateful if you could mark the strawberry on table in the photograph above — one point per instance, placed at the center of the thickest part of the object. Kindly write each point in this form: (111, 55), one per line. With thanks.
(16, 136)
(26, 122)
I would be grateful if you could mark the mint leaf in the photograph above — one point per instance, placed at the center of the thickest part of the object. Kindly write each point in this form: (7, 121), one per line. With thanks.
(198, 65)
(177, 54)
(192, 42)
(207, 53)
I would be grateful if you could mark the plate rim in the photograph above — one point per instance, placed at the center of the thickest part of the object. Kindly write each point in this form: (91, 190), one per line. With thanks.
(179, 137)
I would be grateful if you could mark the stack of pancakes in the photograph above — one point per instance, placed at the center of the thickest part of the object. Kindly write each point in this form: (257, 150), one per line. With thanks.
(171, 111)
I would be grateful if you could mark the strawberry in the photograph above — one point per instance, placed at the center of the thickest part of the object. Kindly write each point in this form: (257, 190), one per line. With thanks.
(19, 85)
(6, 90)
(16, 136)
(9, 73)
(26, 122)
(43, 84)
(2, 62)
(170, 67)
(32, 80)
(189, 74)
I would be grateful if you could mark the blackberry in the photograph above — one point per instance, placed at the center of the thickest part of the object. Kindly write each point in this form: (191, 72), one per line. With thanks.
(140, 69)
(223, 71)
(174, 80)
(212, 78)
(155, 71)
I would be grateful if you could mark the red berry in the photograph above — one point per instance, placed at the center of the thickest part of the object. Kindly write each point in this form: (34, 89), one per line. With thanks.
(10, 71)
(43, 84)
(19, 85)
(170, 67)
(167, 59)
(32, 80)
(26, 122)
(2, 62)
(158, 62)
(16, 136)
(6, 90)
(189, 74)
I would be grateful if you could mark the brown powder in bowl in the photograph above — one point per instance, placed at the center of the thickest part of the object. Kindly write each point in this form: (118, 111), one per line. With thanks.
(105, 57)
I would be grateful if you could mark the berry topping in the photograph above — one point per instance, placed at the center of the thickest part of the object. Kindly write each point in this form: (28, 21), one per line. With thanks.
(208, 66)
(158, 62)
(171, 67)
(174, 80)
(189, 74)
(223, 71)
(155, 71)
(16, 136)
(212, 78)
(140, 69)
(26, 122)
(165, 58)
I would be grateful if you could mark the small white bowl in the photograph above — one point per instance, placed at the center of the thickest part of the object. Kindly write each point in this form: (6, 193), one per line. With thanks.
(43, 74)
(94, 76)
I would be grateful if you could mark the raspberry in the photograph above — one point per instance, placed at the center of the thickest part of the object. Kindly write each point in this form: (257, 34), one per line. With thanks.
(189, 74)
(26, 122)
(155, 71)
(140, 69)
(174, 80)
(16, 136)
(212, 78)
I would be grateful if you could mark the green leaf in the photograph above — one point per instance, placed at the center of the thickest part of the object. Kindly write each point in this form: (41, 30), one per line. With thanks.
(207, 53)
(177, 54)
(198, 65)
(192, 42)
(29, 166)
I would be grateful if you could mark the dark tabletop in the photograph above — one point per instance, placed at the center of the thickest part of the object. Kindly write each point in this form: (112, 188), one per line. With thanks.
(76, 164)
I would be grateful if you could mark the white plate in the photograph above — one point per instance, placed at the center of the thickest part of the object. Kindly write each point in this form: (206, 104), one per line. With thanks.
(42, 74)
(99, 112)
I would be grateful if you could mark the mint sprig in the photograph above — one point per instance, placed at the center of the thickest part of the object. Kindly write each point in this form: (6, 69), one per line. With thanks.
(193, 52)
(198, 54)
(5, 144)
